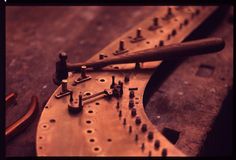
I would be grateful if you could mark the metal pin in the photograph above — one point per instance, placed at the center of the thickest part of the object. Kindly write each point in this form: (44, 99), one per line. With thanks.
(155, 21)
(133, 112)
(138, 33)
(169, 12)
(120, 113)
(71, 96)
(138, 120)
(173, 32)
(64, 86)
(144, 127)
(118, 105)
(80, 100)
(150, 135)
(130, 129)
(131, 94)
(150, 153)
(122, 46)
(161, 43)
(124, 121)
(113, 82)
(143, 146)
(131, 103)
(164, 152)
(157, 144)
(83, 71)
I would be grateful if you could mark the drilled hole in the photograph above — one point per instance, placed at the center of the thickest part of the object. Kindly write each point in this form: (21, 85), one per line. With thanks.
(40, 147)
(88, 122)
(96, 149)
(97, 103)
(136, 98)
(87, 94)
(90, 111)
(147, 42)
(89, 131)
(136, 102)
(40, 137)
(44, 126)
(52, 120)
(92, 140)
(116, 67)
(161, 31)
(102, 80)
(175, 19)
(46, 106)
(109, 139)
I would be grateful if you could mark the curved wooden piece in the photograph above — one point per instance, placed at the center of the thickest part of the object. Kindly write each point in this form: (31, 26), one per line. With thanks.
(106, 126)
(10, 98)
(24, 121)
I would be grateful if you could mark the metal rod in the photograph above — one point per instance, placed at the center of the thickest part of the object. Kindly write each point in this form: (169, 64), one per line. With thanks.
(191, 48)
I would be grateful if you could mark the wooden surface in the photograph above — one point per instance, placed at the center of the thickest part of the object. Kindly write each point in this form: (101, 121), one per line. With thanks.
(35, 35)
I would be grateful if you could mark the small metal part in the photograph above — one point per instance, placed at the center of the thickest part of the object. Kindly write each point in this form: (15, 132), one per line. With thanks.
(107, 93)
(74, 108)
(169, 36)
(64, 86)
(80, 80)
(164, 152)
(124, 121)
(138, 37)
(150, 135)
(169, 14)
(121, 48)
(102, 56)
(113, 82)
(186, 22)
(64, 90)
(144, 127)
(155, 25)
(130, 129)
(133, 112)
(71, 97)
(149, 153)
(80, 100)
(126, 79)
(133, 88)
(161, 43)
(157, 144)
(174, 32)
(138, 120)
(61, 69)
(121, 87)
(131, 94)
(120, 113)
(83, 72)
(136, 137)
(117, 105)
(131, 103)
(143, 146)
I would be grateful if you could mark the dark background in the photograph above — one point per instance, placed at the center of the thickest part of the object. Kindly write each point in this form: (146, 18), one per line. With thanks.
(35, 35)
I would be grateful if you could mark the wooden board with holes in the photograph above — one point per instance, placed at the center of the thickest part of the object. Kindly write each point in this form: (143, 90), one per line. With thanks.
(98, 130)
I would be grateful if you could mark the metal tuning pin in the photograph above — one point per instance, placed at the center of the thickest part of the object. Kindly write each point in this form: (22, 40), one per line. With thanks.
(121, 48)
(144, 127)
(164, 152)
(113, 82)
(61, 69)
(64, 90)
(133, 112)
(83, 76)
(155, 24)
(138, 120)
(138, 36)
(131, 94)
(130, 129)
(150, 135)
(157, 144)
(169, 14)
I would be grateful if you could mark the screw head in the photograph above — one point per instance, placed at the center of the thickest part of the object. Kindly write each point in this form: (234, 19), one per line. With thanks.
(144, 127)
(138, 120)
(150, 135)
